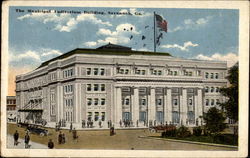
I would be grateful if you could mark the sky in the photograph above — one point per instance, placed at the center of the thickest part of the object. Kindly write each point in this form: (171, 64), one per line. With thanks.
(204, 34)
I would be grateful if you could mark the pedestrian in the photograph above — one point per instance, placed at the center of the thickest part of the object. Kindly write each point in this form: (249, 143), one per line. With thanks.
(63, 139)
(137, 123)
(60, 138)
(120, 123)
(71, 127)
(50, 144)
(83, 123)
(27, 140)
(100, 123)
(108, 124)
(16, 136)
(74, 134)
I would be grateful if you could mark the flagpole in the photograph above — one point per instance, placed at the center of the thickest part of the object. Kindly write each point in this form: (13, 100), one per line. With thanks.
(154, 34)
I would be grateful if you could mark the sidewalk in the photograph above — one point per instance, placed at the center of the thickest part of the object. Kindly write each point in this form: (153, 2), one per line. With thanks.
(34, 145)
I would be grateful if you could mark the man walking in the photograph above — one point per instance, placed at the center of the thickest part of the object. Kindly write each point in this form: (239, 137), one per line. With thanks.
(27, 140)
(71, 127)
(16, 136)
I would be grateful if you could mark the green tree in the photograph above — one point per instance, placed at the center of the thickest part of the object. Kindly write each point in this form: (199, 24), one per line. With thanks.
(231, 106)
(214, 121)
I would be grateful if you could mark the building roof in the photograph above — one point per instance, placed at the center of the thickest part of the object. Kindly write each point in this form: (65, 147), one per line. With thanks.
(109, 49)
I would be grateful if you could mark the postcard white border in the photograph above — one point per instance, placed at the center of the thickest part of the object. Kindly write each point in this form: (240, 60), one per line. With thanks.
(243, 7)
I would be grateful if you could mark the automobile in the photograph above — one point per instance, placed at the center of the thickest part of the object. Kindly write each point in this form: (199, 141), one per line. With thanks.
(37, 130)
(21, 124)
(161, 128)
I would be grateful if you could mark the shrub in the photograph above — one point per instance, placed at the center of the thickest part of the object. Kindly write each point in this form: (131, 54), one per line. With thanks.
(183, 132)
(197, 131)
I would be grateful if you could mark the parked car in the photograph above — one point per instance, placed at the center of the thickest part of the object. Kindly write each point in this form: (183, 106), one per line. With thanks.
(37, 130)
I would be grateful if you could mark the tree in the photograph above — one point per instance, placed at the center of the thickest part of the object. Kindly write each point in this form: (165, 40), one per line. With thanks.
(231, 106)
(214, 121)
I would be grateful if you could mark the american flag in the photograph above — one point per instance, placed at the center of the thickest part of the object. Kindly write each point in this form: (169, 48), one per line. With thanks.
(162, 24)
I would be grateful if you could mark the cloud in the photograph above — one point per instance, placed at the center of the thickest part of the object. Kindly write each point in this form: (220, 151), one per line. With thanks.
(51, 52)
(192, 24)
(121, 35)
(32, 55)
(64, 22)
(183, 48)
(231, 58)
(143, 49)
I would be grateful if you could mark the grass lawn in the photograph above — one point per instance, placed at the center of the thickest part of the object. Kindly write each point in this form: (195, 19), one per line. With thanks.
(226, 139)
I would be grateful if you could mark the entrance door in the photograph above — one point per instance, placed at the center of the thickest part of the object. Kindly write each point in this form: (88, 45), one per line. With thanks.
(126, 116)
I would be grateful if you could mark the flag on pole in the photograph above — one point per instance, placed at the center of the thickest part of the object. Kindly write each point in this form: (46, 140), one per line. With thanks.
(162, 24)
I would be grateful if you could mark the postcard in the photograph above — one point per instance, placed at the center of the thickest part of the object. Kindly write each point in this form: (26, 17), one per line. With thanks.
(124, 79)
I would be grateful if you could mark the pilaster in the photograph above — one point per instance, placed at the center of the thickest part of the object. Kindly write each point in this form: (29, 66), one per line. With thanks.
(183, 112)
(169, 105)
(135, 105)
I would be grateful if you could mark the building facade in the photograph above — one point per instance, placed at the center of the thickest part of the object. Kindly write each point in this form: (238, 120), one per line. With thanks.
(116, 83)
(11, 108)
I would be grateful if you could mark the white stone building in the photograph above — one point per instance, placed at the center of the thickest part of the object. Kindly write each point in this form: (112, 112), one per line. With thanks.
(115, 83)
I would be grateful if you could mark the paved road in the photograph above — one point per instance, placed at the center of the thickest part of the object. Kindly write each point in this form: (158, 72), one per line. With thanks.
(34, 145)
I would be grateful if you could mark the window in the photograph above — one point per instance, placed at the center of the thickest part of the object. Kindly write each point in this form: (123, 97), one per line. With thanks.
(217, 89)
(159, 72)
(190, 73)
(89, 101)
(88, 71)
(212, 89)
(206, 76)
(96, 116)
(88, 87)
(96, 101)
(206, 90)
(217, 101)
(96, 87)
(143, 72)
(142, 116)
(103, 101)
(186, 73)
(121, 71)
(154, 72)
(170, 72)
(143, 101)
(126, 71)
(102, 87)
(212, 75)
(159, 101)
(212, 102)
(95, 71)
(207, 102)
(175, 102)
(89, 116)
(102, 71)
(103, 116)
(68, 88)
(127, 101)
(216, 75)
(190, 101)
(175, 73)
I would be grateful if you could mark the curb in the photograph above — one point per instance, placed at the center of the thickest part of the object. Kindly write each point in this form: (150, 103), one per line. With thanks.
(190, 142)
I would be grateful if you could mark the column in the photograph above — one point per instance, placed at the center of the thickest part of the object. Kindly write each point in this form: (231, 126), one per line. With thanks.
(118, 105)
(200, 104)
(135, 105)
(77, 109)
(196, 106)
(58, 102)
(151, 108)
(165, 108)
(184, 106)
(169, 105)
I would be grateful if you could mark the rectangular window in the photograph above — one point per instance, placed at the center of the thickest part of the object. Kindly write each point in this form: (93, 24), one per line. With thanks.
(159, 72)
(96, 87)
(88, 71)
(96, 101)
(102, 87)
(154, 72)
(175, 102)
(212, 89)
(127, 101)
(89, 101)
(103, 101)
(143, 72)
(217, 101)
(216, 75)
(126, 71)
(175, 73)
(121, 71)
(206, 90)
(95, 71)
(88, 87)
(103, 116)
(190, 101)
(170, 72)
(212, 102)
(217, 89)
(212, 75)
(138, 72)
(143, 102)
(206, 76)
(96, 116)
(207, 102)
(89, 116)
(159, 101)
(190, 73)
(142, 116)
(102, 72)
